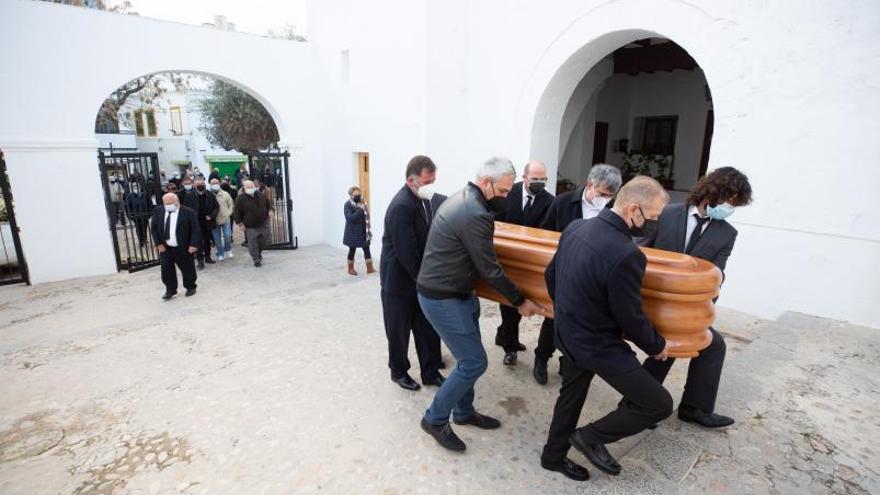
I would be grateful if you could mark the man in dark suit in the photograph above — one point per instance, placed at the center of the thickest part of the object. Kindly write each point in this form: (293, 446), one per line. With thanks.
(698, 228)
(583, 203)
(595, 280)
(407, 222)
(178, 236)
(527, 204)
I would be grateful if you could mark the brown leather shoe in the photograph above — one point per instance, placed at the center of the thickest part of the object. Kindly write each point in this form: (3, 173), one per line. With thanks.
(370, 268)
(351, 270)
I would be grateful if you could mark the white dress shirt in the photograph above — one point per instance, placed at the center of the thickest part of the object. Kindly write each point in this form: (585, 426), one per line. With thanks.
(692, 224)
(172, 236)
(588, 209)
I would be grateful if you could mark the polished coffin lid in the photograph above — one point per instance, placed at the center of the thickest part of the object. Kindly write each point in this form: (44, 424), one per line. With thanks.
(677, 290)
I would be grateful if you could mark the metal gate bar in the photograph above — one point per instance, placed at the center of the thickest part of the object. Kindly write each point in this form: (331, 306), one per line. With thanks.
(13, 268)
(280, 221)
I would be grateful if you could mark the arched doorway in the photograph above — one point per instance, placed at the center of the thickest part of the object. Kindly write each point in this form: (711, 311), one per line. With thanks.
(160, 130)
(633, 99)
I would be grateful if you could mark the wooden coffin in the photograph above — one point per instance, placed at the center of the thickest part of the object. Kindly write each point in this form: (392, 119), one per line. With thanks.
(677, 290)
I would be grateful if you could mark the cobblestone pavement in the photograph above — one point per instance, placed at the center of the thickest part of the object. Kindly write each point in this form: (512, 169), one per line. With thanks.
(273, 380)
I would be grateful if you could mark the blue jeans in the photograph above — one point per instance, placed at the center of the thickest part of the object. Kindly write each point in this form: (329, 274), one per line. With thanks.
(226, 231)
(457, 323)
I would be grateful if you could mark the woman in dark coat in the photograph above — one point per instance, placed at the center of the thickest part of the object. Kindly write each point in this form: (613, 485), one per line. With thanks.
(357, 229)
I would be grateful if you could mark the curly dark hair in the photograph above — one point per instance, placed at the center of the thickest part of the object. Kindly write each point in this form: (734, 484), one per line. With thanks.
(725, 184)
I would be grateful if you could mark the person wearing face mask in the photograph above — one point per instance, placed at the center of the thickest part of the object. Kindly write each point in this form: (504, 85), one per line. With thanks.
(583, 203)
(357, 229)
(699, 228)
(205, 205)
(459, 250)
(227, 186)
(138, 209)
(252, 209)
(222, 232)
(407, 222)
(527, 205)
(175, 179)
(177, 235)
(595, 281)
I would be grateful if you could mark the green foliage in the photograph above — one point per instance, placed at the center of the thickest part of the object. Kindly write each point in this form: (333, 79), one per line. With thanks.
(235, 120)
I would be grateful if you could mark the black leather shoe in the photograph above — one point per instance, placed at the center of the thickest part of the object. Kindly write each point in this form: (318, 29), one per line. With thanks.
(480, 421)
(540, 371)
(568, 468)
(406, 383)
(168, 294)
(702, 418)
(596, 453)
(510, 358)
(258, 264)
(209, 260)
(444, 436)
(434, 382)
(190, 292)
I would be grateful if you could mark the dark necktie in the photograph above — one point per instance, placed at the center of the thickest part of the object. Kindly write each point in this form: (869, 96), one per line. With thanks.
(696, 234)
(168, 226)
(528, 205)
(429, 215)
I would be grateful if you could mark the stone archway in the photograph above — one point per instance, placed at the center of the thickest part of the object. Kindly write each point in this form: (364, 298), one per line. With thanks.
(612, 98)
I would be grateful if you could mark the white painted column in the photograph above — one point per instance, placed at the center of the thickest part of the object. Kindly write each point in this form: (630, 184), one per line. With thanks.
(59, 205)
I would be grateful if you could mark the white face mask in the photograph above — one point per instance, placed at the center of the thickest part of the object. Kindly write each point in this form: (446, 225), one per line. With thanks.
(426, 191)
(170, 208)
(215, 187)
(251, 190)
(188, 187)
(600, 201)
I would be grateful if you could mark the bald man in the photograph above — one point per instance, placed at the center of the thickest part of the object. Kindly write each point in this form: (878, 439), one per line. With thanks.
(595, 280)
(177, 236)
(527, 204)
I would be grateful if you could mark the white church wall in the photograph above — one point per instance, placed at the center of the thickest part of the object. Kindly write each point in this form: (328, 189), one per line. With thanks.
(381, 97)
(47, 129)
(812, 73)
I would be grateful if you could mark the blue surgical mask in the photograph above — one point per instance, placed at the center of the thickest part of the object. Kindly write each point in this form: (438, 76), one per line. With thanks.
(721, 211)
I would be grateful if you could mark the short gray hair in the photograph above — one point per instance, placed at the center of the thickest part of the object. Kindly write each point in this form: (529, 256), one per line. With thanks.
(496, 168)
(607, 175)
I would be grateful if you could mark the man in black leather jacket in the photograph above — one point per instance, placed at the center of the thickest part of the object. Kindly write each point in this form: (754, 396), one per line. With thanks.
(459, 251)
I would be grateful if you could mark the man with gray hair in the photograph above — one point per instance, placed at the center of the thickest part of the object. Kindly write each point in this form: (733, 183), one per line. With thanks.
(595, 281)
(459, 250)
(584, 202)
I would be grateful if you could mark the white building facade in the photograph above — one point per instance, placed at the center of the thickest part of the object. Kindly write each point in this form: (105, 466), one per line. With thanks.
(793, 90)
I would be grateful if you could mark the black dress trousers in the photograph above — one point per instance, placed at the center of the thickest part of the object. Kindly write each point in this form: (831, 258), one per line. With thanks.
(182, 259)
(403, 315)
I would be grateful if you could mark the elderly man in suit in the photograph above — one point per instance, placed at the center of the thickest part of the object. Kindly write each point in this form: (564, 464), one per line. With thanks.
(177, 235)
(407, 221)
(583, 203)
(527, 204)
(699, 228)
(595, 279)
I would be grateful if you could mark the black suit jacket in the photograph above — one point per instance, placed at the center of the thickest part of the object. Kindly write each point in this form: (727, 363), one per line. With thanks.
(595, 280)
(403, 241)
(535, 216)
(714, 245)
(566, 208)
(188, 231)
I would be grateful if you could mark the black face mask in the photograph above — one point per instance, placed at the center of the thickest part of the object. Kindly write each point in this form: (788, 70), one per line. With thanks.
(498, 204)
(536, 187)
(357, 198)
(648, 229)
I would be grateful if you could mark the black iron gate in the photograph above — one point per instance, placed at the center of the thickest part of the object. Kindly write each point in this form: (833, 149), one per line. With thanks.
(13, 269)
(271, 169)
(131, 190)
